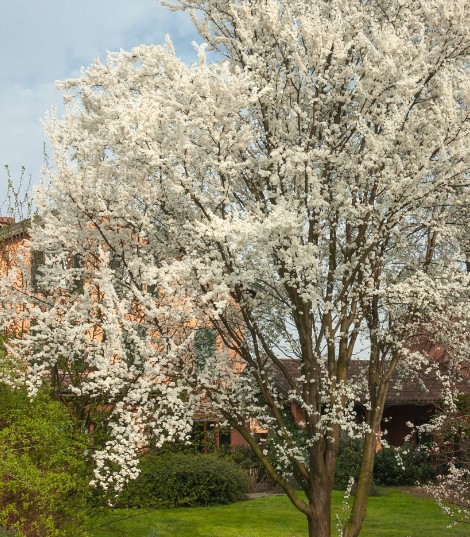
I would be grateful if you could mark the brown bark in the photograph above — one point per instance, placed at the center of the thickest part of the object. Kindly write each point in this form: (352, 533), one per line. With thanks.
(359, 508)
(319, 521)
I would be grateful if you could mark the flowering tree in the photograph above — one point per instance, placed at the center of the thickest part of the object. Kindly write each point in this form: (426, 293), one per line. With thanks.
(301, 197)
(452, 449)
(448, 431)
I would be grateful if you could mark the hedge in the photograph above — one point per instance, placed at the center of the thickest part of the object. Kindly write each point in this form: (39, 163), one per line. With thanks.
(184, 480)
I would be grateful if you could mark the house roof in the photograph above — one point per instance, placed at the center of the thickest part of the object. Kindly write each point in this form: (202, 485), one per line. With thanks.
(405, 388)
(13, 230)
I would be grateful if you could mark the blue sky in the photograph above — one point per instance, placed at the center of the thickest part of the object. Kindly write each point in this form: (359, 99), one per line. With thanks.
(48, 40)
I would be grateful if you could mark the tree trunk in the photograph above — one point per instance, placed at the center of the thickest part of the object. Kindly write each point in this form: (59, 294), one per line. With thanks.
(319, 521)
(316, 529)
(359, 509)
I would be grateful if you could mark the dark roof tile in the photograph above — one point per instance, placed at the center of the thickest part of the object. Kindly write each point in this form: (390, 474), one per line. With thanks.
(405, 387)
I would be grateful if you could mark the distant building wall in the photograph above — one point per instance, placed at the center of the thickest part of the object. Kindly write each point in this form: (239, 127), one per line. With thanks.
(395, 420)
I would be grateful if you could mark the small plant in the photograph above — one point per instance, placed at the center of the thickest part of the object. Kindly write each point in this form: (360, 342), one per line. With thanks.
(394, 466)
(8, 532)
(374, 490)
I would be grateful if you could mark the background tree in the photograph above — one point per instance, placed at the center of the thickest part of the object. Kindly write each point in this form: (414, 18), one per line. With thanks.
(300, 197)
(18, 200)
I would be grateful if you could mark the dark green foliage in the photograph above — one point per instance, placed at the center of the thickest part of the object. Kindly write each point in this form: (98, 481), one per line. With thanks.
(43, 476)
(374, 490)
(205, 343)
(245, 458)
(397, 466)
(416, 467)
(276, 444)
(348, 463)
(184, 480)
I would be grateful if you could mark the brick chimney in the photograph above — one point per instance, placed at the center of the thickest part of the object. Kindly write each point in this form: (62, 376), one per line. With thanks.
(6, 221)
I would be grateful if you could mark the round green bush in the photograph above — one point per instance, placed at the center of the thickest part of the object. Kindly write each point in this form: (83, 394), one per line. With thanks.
(184, 480)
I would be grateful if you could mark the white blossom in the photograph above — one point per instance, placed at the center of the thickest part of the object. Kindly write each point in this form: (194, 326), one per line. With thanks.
(303, 196)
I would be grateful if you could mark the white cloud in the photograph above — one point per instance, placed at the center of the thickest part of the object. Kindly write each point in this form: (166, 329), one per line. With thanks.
(51, 40)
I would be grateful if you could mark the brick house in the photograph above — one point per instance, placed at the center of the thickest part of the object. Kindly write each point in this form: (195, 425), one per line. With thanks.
(14, 236)
(409, 399)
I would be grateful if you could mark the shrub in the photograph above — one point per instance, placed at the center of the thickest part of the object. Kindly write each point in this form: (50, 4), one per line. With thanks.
(43, 479)
(184, 480)
(394, 466)
(244, 457)
(348, 463)
(403, 466)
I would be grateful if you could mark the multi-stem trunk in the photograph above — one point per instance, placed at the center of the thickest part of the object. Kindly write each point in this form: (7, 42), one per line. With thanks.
(359, 508)
(320, 487)
(319, 521)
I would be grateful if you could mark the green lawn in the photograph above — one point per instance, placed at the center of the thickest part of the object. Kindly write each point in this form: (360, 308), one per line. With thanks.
(396, 514)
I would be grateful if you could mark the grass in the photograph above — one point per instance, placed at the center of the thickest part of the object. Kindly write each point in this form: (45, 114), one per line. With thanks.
(396, 514)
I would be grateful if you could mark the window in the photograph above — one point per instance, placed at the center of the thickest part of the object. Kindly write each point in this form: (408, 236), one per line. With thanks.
(76, 263)
(38, 260)
(206, 435)
(204, 346)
